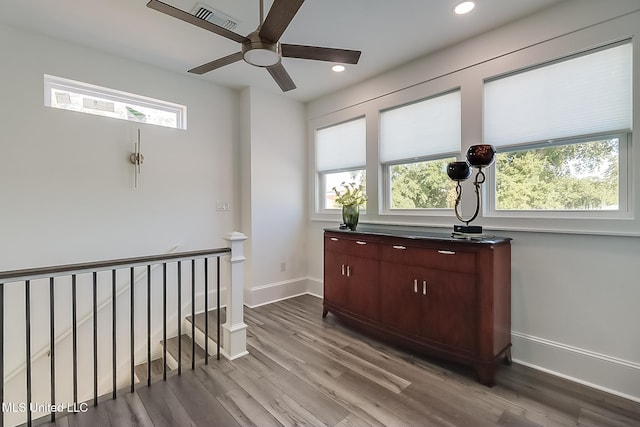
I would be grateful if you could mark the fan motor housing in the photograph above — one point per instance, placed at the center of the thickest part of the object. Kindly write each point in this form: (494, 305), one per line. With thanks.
(261, 53)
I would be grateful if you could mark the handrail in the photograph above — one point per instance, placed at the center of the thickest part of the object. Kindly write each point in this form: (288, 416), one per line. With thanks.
(234, 334)
(44, 272)
(44, 351)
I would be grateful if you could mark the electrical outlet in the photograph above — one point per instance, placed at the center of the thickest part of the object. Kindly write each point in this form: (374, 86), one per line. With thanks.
(222, 206)
(283, 266)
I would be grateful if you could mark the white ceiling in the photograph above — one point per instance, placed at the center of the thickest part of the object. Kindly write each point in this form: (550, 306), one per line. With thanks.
(388, 33)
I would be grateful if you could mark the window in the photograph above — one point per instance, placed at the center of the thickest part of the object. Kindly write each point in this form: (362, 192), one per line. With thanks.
(422, 185)
(574, 176)
(90, 99)
(562, 132)
(340, 157)
(417, 141)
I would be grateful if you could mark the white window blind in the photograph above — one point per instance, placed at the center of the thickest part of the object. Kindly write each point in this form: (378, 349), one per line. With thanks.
(342, 146)
(586, 95)
(422, 129)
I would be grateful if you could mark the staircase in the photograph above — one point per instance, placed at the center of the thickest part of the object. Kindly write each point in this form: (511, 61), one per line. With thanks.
(186, 343)
(126, 300)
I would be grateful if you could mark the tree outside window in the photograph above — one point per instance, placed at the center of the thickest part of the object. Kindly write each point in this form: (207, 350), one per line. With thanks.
(579, 176)
(422, 185)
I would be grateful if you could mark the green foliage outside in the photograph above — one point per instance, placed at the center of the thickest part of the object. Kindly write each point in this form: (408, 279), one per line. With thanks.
(582, 176)
(569, 177)
(422, 185)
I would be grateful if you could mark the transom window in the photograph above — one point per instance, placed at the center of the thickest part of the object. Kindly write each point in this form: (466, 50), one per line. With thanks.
(91, 99)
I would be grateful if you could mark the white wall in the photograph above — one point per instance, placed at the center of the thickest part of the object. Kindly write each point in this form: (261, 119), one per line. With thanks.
(574, 299)
(274, 215)
(67, 189)
(66, 183)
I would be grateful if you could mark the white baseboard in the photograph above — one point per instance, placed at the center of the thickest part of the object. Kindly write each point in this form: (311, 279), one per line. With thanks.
(272, 292)
(607, 373)
(315, 287)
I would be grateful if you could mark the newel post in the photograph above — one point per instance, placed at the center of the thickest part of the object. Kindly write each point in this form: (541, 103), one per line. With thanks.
(234, 331)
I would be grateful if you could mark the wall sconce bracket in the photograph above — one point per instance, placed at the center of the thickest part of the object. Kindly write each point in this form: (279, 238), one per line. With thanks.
(137, 158)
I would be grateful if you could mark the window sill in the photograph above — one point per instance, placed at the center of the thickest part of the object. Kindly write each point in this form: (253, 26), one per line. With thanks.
(619, 228)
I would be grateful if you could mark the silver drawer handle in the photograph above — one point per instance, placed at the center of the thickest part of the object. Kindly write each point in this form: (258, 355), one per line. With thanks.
(360, 243)
(333, 239)
(447, 252)
(399, 247)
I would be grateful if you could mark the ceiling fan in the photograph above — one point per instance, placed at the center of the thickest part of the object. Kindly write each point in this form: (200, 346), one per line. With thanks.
(262, 47)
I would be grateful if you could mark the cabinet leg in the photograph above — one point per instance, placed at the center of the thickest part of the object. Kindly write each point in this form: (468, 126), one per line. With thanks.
(507, 357)
(486, 374)
(325, 310)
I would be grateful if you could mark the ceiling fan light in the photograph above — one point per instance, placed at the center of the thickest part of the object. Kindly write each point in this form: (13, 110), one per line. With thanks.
(261, 57)
(260, 53)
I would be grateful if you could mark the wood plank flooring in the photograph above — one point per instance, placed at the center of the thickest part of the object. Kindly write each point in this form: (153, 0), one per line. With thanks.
(303, 370)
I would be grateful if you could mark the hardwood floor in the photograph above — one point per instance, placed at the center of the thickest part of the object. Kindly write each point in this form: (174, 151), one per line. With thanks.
(308, 371)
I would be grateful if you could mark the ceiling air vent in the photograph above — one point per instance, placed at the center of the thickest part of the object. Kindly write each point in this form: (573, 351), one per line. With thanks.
(214, 16)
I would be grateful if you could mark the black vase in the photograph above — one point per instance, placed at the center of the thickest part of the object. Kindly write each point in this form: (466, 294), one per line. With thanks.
(481, 155)
(458, 171)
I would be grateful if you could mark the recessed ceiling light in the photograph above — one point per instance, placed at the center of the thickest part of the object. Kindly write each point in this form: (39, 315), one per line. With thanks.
(338, 68)
(464, 7)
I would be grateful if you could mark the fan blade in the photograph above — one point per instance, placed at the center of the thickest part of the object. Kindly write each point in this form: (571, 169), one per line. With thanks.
(278, 19)
(281, 77)
(191, 19)
(210, 66)
(317, 53)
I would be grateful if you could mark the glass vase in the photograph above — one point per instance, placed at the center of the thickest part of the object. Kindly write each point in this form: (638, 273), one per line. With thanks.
(350, 216)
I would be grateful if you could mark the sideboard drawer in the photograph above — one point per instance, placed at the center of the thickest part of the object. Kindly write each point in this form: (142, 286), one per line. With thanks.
(440, 259)
(356, 247)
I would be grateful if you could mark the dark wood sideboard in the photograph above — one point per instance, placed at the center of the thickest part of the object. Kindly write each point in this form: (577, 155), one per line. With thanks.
(424, 292)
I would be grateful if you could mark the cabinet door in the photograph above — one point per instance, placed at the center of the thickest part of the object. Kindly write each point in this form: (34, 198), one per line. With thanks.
(364, 289)
(450, 309)
(335, 279)
(402, 297)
